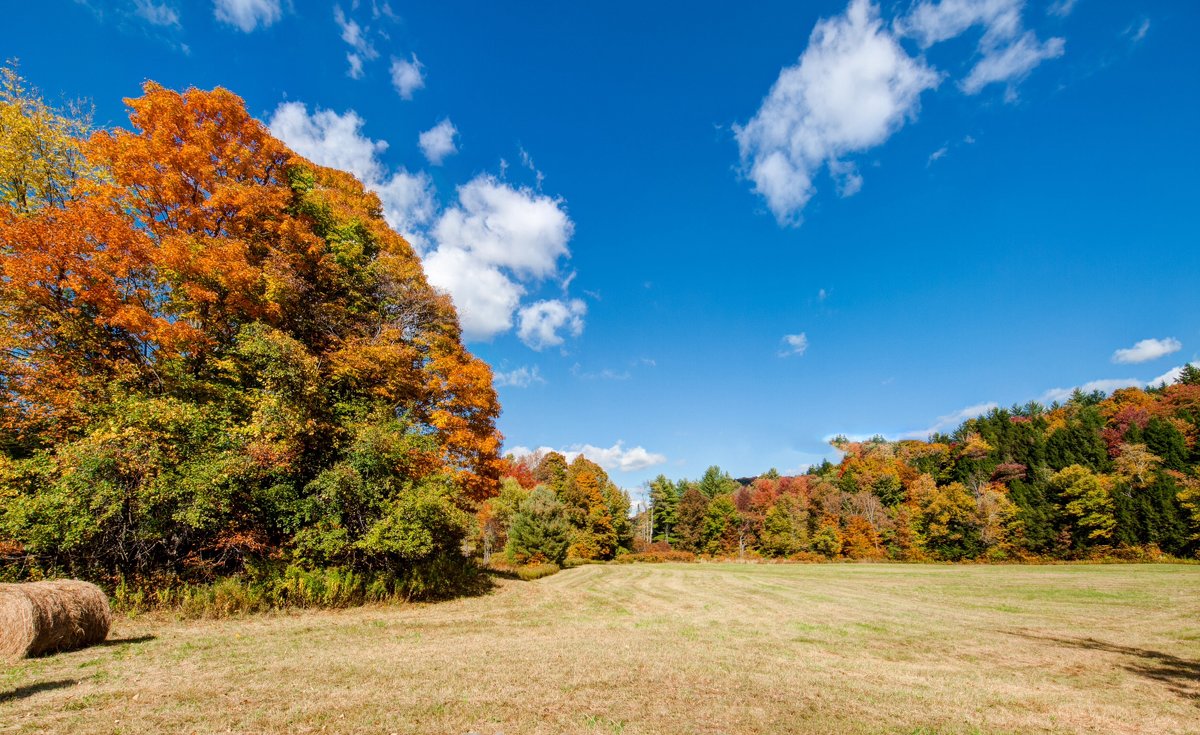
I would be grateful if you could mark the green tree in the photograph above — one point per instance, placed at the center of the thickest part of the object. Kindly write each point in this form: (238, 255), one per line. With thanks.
(664, 501)
(785, 528)
(693, 507)
(717, 482)
(948, 522)
(540, 529)
(827, 540)
(721, 521)
(551, 471)
(1089, 503)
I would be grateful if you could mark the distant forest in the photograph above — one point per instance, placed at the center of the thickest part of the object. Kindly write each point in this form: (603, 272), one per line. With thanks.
(1098, 476)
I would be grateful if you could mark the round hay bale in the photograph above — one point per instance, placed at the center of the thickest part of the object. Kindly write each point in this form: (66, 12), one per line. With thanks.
(41, 617)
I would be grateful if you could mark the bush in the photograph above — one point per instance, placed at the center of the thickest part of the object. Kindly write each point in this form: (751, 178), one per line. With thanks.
(526, 572)
(294, 587)
(657, 557)
(530, 572)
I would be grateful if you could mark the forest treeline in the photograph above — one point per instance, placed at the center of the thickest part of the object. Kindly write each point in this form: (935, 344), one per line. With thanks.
(217, 359)
(1097, 476)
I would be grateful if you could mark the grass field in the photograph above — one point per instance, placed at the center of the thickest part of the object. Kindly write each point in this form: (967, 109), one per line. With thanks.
(704, 648)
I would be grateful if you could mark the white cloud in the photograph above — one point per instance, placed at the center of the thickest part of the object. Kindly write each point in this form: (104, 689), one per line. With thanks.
(605, 374)
(937, 155)
(408, 204)
(1107, 385)
(1012, 63)
(484, 296)
(1061, 8)
(521, 377)
(337, 141)
(616, 457)
(1170, 377)
(943, 423)
(329, 139)
(794, 344)
(1007, 52)
(354, 34)
(1141, 31)
(496, 239)
(356, 37)
(485, 250)
(408, 76)
(159, 14)
(1146, 350)
(438, 142)
(540, 322)
(934, 22)
(853, 87)
(952, 420)
(247, 15)
(515, 228)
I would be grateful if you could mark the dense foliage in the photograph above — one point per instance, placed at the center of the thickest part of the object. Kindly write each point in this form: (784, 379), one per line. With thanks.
(1099, 476)
(216, 358)
(549, 510)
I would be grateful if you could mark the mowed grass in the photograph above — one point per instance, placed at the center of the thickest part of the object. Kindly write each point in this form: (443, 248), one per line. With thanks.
(703, 648)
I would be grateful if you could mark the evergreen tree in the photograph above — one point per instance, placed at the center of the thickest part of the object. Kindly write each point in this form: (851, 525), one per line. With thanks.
(664, 501)
(693, 506)
(539, 530)
(717, 482)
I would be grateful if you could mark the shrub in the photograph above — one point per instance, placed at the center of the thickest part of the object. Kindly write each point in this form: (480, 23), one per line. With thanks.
(530, 572)
(657, 557)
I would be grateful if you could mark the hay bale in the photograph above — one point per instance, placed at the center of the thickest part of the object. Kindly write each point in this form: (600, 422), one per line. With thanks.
(40, 617)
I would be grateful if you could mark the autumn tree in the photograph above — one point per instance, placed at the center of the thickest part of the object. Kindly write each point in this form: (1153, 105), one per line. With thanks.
(948, 522)
(785, 527)
(215, 351)
(1088, 502)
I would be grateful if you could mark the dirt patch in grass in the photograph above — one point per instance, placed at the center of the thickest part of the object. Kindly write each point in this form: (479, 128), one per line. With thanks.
(663, 648)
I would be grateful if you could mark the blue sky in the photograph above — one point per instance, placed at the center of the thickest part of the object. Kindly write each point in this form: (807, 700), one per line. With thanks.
(689, 234)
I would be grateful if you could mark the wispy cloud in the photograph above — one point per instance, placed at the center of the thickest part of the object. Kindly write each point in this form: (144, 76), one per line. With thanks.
(248, 15)
(1061, 8)
(616, 457)
(521, 377)
(155, 13)
(1137, 33)
(794, 345)
(604, 374)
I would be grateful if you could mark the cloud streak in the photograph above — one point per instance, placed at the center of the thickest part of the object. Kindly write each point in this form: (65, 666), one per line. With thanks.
(616, 457)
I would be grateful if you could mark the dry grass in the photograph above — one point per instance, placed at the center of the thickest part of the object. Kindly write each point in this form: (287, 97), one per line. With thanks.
(699, 648)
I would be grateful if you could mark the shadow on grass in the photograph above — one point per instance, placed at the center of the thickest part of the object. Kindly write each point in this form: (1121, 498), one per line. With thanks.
(1180, 675)
(31, 689)
(127, 641)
